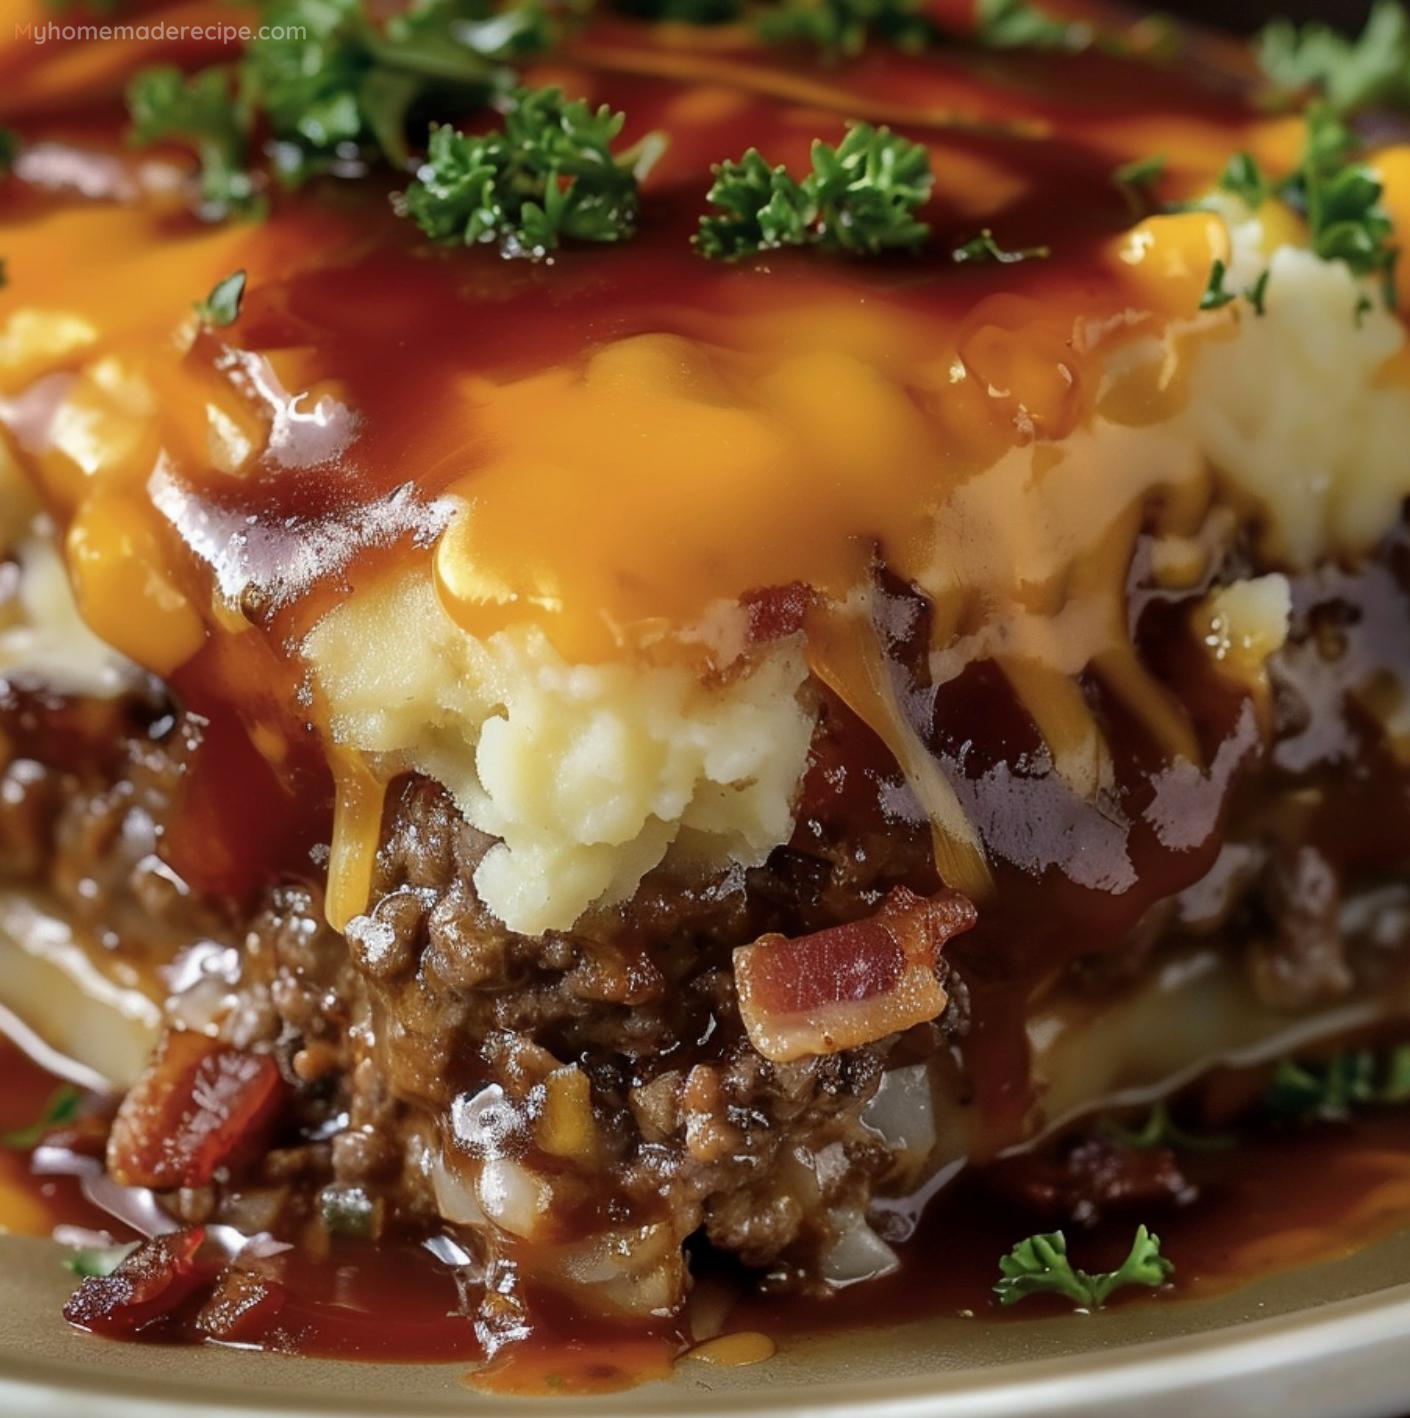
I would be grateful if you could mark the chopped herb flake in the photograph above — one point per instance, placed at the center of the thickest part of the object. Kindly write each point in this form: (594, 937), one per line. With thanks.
(1352, 1079)
(1257, 293)
(1341, 199)
(1138, 180)
(984, 248)
(1244, 178)
(1159, 1129)
(98, 1261)
(222, 306)
(1215, 295)
(348, 1211)
(63, 1107)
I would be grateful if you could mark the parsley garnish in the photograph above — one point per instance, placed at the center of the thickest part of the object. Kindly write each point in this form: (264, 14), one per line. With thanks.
(549, 176)
(1159, 1129)
(336, 87)
(1244, 178)
(348, 1211)
(844, 27)
(222, 306)
(1257, 293)
(9, 149)
(348, 85)
(1017, 24)
(1040, 1265)
(1342, 200)
(984, 248)
(1332, 1090)
(1137, 181)
(1215, 296)
(861, 198)
(98, 1261)
(1350, 73)
(203, 113)
(63, 1107)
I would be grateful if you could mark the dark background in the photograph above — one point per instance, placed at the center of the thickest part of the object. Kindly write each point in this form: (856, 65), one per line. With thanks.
(1250, 14)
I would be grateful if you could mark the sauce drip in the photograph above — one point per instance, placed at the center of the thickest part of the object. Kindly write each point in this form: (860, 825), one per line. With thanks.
(394, 1301)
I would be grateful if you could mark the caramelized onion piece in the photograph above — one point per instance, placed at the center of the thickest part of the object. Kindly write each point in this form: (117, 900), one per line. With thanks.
(852, 984)
(150, 1285)
(197, 1105)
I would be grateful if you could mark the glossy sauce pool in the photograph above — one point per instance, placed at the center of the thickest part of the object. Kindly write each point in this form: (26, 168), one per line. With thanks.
(398, 1303)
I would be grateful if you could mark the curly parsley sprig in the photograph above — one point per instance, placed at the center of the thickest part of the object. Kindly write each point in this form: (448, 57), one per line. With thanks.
(548, 176)
(861, 197)
(1351, 1079)
(1351, 74)
(844, 28)
(1341, 198)
(202, 112)
(63, 1106)
(1040, 1265)
(1017, 24)
(328, 86)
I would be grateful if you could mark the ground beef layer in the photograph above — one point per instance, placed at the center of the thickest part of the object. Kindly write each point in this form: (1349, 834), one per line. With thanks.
(601, 1078)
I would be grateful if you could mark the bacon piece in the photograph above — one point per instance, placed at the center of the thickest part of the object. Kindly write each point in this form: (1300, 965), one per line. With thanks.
(242, 1308)
(848, 985)
(197, 1105)
(147, 1288)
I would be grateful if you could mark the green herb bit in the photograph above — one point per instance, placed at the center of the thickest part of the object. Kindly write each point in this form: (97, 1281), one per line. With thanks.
(98, 1261)
(1341, 198)
(9, 149)
(983, 248)
(350, 1212)
(1351, 1079)
(549, 176)
(1370, 70)
(202, 113)
(1244, 178)
(1017, 24)
(1215, 295)
(1040, 1265)
(222, 306)
(339, 83)
(1257, 293)
(1137, 181)
(843, 28)
(1159, 1128)
(861, 198)
(63, 1107)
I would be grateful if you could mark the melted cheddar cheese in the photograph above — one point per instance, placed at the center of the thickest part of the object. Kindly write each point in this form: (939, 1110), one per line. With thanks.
(493, 522)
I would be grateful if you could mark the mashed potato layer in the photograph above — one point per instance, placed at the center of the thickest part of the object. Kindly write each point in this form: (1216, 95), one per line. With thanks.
(42, 635)
(588, 774)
